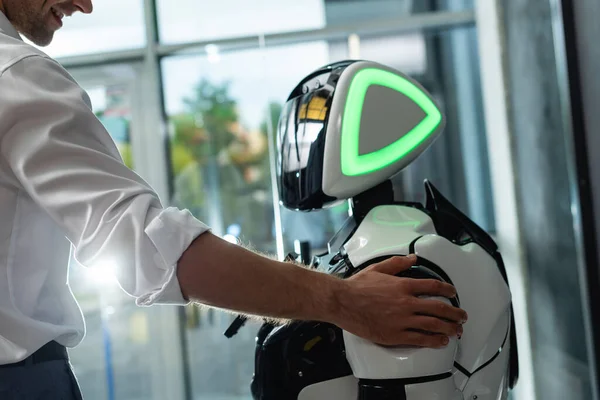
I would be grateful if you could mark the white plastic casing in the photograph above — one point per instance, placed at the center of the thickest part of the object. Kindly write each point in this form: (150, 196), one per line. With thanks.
(483, 293)
(395, 124)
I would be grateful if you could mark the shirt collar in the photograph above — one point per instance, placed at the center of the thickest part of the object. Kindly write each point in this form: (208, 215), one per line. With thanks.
(7, 28)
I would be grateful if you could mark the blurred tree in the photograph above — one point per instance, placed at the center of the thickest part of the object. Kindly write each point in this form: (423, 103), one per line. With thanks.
(215, 112)
(185, 135)
(205, 182)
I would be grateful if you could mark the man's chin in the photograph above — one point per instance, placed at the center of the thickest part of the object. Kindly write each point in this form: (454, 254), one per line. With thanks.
(40, 40)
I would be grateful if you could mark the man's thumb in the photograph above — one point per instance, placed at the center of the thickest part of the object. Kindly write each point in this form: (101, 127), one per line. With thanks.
(394, 265)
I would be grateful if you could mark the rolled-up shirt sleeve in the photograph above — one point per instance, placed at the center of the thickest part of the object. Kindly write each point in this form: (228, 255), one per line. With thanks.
(65, 160)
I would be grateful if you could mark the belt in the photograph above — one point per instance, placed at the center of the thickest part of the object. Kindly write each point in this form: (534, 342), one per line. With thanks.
(51, 351)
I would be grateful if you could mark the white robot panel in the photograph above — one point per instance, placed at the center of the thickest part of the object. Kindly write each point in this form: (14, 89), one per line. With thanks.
(482, 292)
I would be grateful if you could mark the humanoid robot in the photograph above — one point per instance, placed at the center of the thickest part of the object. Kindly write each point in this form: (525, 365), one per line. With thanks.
(346, 129)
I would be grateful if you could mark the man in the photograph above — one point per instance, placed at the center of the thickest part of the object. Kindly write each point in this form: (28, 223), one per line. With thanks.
(63, 182)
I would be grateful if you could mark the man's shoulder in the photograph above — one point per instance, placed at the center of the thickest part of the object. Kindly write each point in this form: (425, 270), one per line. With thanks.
(13, 51)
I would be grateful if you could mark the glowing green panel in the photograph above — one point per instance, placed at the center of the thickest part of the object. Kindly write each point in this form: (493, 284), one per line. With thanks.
(353, 163)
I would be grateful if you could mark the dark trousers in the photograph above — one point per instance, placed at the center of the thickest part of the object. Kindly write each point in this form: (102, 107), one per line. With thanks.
(47, 374)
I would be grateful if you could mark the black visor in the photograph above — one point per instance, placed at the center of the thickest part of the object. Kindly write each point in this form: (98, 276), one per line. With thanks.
(301, 140)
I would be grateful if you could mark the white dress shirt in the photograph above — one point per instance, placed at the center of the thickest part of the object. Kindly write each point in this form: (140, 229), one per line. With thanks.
(63, 186)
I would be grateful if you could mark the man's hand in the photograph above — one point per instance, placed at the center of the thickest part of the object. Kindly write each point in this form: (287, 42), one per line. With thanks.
(373, 304)
(386, 309)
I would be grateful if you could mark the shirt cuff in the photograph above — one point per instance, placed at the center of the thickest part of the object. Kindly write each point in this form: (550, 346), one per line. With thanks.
(171, 232)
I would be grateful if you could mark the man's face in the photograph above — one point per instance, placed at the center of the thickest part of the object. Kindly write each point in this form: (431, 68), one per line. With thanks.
(37, 20)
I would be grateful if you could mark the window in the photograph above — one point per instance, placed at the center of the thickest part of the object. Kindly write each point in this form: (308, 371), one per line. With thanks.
(119, 24)
(184, 21)
(200, 20)
(112, 106)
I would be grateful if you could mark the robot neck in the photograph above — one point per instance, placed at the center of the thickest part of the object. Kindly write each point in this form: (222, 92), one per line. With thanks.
(380, 195)
(364, 202)
(361, 204)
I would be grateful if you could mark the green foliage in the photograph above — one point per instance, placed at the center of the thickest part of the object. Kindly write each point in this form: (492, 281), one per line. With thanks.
(205, 129)
(189, 189)
(125, 150)
(185, 128)
(181, 157)
(213, 112)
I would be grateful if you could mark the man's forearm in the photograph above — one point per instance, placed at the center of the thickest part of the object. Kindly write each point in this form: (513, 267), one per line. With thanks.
(220, 274)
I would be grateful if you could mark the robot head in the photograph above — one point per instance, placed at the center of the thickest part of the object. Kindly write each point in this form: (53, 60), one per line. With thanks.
(346, 128)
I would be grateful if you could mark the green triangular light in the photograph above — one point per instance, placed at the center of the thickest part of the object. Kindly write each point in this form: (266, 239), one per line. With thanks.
(353, 163)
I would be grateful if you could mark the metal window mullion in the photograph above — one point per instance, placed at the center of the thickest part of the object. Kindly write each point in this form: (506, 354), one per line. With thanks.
(153, 162)
(374, 27)
(154, 121)
(415, 22)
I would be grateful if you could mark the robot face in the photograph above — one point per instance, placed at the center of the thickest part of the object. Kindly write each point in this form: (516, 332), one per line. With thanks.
(348, 127)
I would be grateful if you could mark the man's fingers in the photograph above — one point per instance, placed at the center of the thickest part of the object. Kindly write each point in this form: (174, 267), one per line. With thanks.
(410, 338)
(436, 308)
(435, 325)
(432, 287)
(394, 265)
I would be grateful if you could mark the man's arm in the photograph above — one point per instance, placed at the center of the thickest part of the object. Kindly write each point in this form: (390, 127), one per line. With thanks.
(215, 272)
(57, 152)
(373, 304)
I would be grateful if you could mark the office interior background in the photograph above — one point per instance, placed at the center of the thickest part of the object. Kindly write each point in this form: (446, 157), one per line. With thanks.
(191, 92)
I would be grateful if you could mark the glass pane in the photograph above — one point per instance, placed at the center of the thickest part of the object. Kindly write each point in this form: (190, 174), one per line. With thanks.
(194, 20)
(113, 25)
(112, 106)
(129, 351)
(352, 11)
(220, 114)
